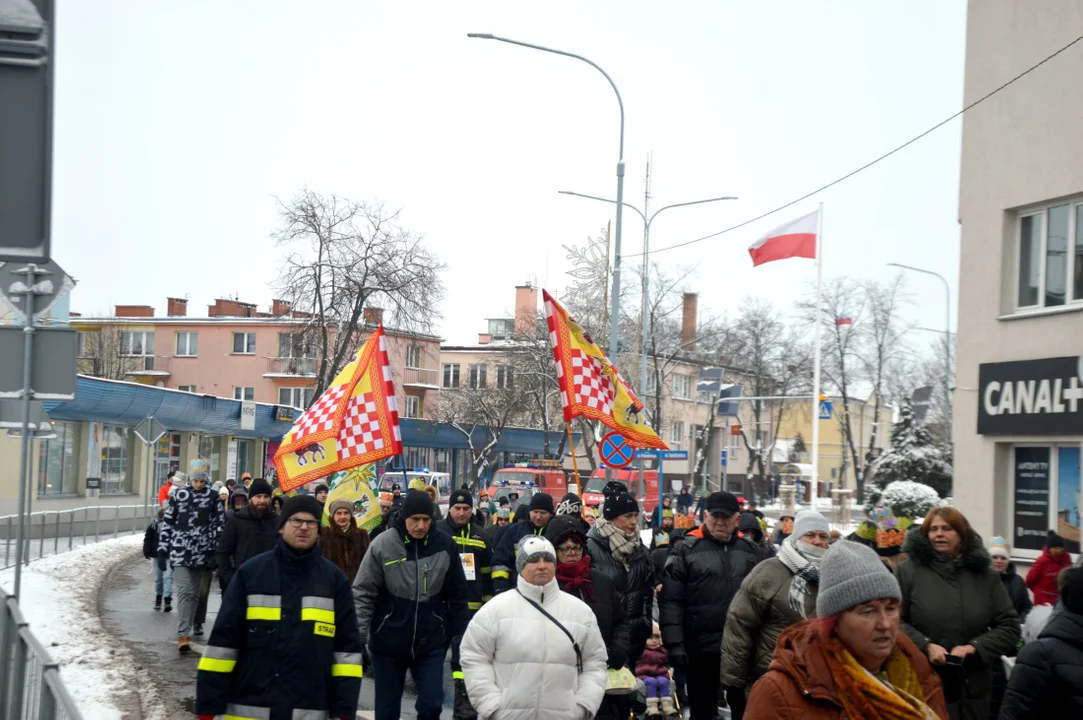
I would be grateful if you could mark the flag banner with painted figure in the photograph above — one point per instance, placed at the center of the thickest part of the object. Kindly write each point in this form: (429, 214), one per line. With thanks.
(590, 385)
(358, 487)
(354, 422)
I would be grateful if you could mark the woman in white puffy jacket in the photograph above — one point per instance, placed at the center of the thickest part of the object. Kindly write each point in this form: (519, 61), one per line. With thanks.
(518, 664)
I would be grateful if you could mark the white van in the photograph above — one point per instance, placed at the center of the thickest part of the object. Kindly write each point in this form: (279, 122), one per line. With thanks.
(396, 476)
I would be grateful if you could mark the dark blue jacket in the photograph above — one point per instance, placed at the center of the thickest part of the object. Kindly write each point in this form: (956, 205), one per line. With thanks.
(505, 575)
(285, 639)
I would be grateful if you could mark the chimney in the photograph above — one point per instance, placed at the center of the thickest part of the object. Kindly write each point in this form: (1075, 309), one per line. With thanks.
(688, 322)
(484, 338)
(231, 308)
(133, 311)
(374, 315)
(526, 310)
(176, 307)
(280, 308)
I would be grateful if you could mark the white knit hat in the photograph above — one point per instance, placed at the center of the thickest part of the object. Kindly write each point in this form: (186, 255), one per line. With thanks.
(809, 521)
(533, 548)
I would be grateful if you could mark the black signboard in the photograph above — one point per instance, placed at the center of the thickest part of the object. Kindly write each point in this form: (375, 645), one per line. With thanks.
(284, 414)
(93, 483)
(1031, 497)
(1031, 397)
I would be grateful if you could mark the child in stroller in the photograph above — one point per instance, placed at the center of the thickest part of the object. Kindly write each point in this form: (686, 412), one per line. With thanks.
(653, 670)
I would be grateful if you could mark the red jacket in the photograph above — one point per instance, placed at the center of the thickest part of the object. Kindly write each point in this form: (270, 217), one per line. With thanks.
(653, 663)
(1042, 578)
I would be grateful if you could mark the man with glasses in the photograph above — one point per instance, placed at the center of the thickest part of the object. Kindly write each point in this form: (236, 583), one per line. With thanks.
(285, 643)
(702, 576)
(411, 601)
(187, 540)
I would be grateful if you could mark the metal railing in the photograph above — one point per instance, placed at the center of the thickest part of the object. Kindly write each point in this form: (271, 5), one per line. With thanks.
(421, 376)
(292, 367)
(51, 532)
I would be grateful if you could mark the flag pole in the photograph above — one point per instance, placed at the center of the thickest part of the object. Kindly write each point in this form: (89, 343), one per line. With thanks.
(575, 461)
(816, 356)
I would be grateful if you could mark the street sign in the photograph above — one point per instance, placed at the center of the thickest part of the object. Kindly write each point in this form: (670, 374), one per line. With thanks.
(51, 283)
(52, 371)
(150, 431)
(615, 451)
(725, 457)
(248, 415)
(11, 415)
(661, 454)
(729, 404)
(825, 409)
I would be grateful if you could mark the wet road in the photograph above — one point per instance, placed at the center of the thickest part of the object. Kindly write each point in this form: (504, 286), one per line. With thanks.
(127, 610)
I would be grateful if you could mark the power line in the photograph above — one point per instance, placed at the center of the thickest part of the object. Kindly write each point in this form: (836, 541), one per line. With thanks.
(867, 165)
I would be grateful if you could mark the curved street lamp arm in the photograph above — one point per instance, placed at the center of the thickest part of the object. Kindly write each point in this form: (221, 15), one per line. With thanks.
(685, 204)
(602, 199)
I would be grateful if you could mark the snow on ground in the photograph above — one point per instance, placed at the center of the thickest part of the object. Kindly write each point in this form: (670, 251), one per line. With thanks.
(60, 601)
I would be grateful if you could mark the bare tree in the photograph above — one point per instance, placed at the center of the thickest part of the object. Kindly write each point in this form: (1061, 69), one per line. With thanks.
(342, 257)
(106, 353)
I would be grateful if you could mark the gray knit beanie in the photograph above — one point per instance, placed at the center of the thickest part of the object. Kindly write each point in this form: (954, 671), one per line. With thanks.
(809, 521)
(851, 574)
(533, 548)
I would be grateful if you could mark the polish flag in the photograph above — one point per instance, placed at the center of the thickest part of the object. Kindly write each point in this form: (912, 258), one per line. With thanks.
(796, 238)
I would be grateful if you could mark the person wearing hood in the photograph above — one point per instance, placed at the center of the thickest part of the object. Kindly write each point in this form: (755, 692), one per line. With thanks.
(778, 593)
(535, 653)
(1047, 680)
(434, 496)
(750, 529)
(250, 531)
(342, 541)
(410, 596)
(851, 661)
(539, 513)
(575, 576)
(1043, 574)
(954, 606)
(501, 522)
(237, 500)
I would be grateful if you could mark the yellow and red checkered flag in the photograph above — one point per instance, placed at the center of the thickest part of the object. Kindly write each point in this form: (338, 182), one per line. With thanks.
(354, 422)
(590, 385)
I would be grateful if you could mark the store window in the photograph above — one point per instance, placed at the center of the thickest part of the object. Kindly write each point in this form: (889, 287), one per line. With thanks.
(56, 462)
(116, 450)
(1046, 481)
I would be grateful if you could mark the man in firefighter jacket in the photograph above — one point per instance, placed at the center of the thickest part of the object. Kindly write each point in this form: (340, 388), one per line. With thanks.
(285, 644)
(541, 512)
(476, 555)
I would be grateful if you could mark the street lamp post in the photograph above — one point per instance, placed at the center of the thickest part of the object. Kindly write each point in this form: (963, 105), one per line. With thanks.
(614, 306)
(947, 345)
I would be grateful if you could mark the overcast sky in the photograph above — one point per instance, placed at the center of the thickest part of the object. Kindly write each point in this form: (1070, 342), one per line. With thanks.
(178, 123)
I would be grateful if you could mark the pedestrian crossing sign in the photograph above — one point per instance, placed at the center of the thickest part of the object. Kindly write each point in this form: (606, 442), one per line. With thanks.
(825, 409)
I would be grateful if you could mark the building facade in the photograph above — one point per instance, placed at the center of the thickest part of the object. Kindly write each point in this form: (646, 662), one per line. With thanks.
(1018, 424)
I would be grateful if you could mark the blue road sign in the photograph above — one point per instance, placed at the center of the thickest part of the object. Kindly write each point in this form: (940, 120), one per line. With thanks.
(662, 454)
(825, 409)
(615, 451)
(725, 456)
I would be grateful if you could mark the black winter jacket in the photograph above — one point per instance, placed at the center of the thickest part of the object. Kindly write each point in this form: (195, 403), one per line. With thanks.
(472, 541)
(702, 577)
(410, 595)
(285, 638)
(245, 537)
(635, 584)
(1017, 591)
(190, 528)
(150, 541)
(1047, 681)
(505, 576)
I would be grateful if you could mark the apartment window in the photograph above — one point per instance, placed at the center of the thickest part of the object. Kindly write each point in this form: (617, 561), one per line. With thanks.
(295, 397)
(244, 343)
(734, 441)
(413, 406)
(414, 356)
(1050, 257)
(478, 375)
(676, 434)
(90, 343)
(187, 344)
(116, 450)
(56, 458)
(244, 393)
(451, 375)
(681, 386)
(187, 388)
(1046, 495)
(652, 383)
(292, 345)
(137, 343)
(505, 377)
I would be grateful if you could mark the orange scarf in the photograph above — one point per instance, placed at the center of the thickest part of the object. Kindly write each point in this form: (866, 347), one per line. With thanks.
(896, 695)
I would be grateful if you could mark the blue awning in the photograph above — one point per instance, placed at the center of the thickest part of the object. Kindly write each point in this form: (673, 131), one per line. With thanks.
(127, 404)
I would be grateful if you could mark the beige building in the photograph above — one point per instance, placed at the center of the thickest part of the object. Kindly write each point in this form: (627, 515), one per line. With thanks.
(1018, 423)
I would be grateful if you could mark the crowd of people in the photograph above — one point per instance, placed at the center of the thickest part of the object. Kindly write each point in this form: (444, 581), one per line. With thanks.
(548, 609)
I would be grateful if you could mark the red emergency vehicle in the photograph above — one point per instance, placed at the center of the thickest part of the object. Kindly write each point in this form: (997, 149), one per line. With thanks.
(545, 476)
(592, 493)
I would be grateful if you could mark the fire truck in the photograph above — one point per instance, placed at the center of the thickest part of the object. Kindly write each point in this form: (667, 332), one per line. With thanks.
(528, 478)
(648, 501)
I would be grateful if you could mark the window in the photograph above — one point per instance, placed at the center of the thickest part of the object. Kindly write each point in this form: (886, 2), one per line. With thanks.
(187, 344)
(244, 343)
(290, 345)
(501, 329)
(477, 376)
(137, 343)
(451, 375)
(244, 393)
(734, 441)
(676, 434)
(413, 406)
(1050, 257)
(115, 452)
(414, 356)
(652, 383)
(56, 471)
(505, 377)
(244, 458)
(187, 388)
(90, 343)
(295, 397)
(1046, 495)
(681, 385)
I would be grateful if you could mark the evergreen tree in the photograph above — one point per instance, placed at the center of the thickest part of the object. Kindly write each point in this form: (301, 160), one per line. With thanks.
(913, 457)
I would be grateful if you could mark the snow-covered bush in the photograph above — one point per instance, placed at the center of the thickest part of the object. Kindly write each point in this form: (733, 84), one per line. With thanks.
(905, 498)
(912, 456)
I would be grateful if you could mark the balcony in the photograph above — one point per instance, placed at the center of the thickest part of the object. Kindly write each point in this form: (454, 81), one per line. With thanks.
(146, 365)
(289, 367)
(421, 378)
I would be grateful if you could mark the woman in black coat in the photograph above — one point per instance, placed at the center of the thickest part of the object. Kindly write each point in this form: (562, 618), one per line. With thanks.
(1016, 588)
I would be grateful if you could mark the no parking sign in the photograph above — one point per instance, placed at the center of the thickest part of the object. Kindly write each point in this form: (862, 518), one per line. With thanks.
(615, 451)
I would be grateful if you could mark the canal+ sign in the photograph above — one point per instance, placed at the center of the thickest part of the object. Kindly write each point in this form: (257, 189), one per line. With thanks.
(1031, 397)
